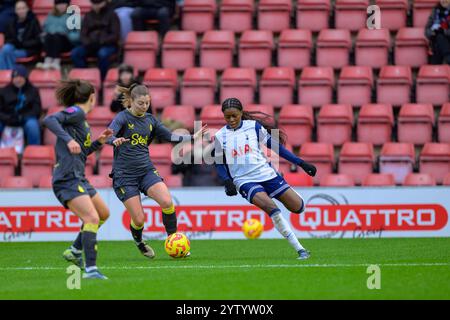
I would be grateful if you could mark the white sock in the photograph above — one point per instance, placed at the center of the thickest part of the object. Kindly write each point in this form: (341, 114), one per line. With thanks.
(285, 230)
(89, 269)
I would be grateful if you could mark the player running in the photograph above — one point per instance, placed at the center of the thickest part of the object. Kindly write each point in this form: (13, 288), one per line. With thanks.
(241, 164)
(133, 171)
(70, 185)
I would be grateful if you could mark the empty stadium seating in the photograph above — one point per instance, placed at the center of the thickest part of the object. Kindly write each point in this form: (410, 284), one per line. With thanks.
(435, 160)
(37, 161)
(313, 14)
(5, 77)
(394, 13)
(297, 121)
(379, 180)
(446, 181)
(419, 180)
(45, 182)
(398, 159)
(298, 179)
(140, 49)
(99, 118)
(321, 155)
(333, 48)
(415, 123)
(315, 86)
(444, 124)
(106, 160)
(163, 85)
(375, 122)
(236, 15)
(173, 181)
(216, 49)
(274, 15)
(356, 159)
(46, 81)
(212, 116)
(294, 48)
(198, 15)
(8, 161)
(198, 87)
(264, 108)
(411, 47)
(178, 50)
(350, 14)
(41, 9)
(17, 183)
(277, 86)
(394, 85)
(98, 181)
(255, 49)
(372, 48)
(91, 162)
(337, 180)
(334, 123)
(355, 85)
(184, 114)
(433, 83)
(421, 10)
(238, 83)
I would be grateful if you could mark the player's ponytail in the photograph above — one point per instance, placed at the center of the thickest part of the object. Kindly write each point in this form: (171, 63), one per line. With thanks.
(131, 93)
(73, 91)
(267, 121)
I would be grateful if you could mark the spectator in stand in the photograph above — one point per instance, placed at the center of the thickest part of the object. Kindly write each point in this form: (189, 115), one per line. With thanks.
(126, 80)
(161, 10)
(57, 37)
(22, 37)
(20, 105)
(124, 9)
(438, 32)
(100, 36)
(6, 13)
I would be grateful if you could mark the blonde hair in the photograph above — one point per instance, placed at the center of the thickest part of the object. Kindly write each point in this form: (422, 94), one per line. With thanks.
(133, 92)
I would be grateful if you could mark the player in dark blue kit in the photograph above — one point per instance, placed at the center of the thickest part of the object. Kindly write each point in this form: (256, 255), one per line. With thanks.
(133, 171)
(70, 185)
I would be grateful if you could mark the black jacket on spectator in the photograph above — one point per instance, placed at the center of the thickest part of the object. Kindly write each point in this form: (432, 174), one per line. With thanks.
(439, 15)
(100, 29)
(117, 106)
(7, 3)
(31, 40)
(124, 3)
(158, 4)
(9, 101)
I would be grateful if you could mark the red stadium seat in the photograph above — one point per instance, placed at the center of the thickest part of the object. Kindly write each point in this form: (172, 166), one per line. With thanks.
(110, 83)
(333, 47)
(372, 47)
(5, 77)
(444, 124)
(17, 183)
(321, 155)
(8, 161)
(91, 162)
(255, 49)
(398, 159)
(199, 87)
(277, 86)
(46, 182)
(435, 160)
(236, 15)
(394, 13)
(238, 83)
(216, 49)
(355, 85)
(106, 160)
(415, 123)
(212, 116)
(356, 159)
(99, 119)
(184, 114)
(375, 122)
(46, 82)
(198, 15)
(411, 47)
(99, 181)
(89, 74)
(315, 86)
(351, 14)
(379, 180)
(298, 179)
(446, 180)
(394, 85)
(174, 181)
(264, 108)
(163, 85)
(421, 11)
(179, 50)
(160, 154)
(140, 49)
(84, 5)
(297, 121)
(337, 180)
(433, 82)
(37, 161)
(49, 137)
(313, 14)
(294, 48)
(42, 8)
(334, 123)
(274, 15)
(419, 180)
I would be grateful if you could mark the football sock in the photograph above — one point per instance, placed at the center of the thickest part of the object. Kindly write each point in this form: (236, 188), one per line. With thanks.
(170, 220)
(136, 232)
(77, 245)
(89, 241)
(284, 229)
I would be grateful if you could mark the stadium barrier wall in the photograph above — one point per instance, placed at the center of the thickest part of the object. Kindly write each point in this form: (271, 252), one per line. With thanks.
(207, 213)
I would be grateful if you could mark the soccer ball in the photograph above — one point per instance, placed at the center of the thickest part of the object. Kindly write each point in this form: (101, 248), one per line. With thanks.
(177, 245)
(252, 228)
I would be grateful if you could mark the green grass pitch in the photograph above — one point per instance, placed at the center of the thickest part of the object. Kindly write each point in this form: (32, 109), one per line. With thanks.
(411, 268)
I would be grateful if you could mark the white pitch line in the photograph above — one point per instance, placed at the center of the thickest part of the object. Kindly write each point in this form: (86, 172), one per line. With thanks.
(243, 266)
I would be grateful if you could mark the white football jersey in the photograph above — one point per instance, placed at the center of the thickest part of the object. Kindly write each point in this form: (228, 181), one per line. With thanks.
(243, 155)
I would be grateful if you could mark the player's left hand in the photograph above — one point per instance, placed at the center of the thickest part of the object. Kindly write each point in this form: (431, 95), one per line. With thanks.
(200, 132)
(105, 135)
(309, 168)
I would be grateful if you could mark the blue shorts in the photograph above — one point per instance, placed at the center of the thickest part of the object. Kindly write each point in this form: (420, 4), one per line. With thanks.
(274, 188)
(66, 190)
(127, 187)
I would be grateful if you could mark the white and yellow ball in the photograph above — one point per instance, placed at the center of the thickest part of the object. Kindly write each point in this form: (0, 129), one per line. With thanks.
(177, 245)
(252, 228)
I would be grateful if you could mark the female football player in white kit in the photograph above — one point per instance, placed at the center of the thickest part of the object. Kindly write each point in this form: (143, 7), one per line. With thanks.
(241, 164)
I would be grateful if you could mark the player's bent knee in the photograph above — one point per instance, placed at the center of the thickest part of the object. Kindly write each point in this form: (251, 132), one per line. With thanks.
(139, 221)
(301, 210)
(92, 218)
